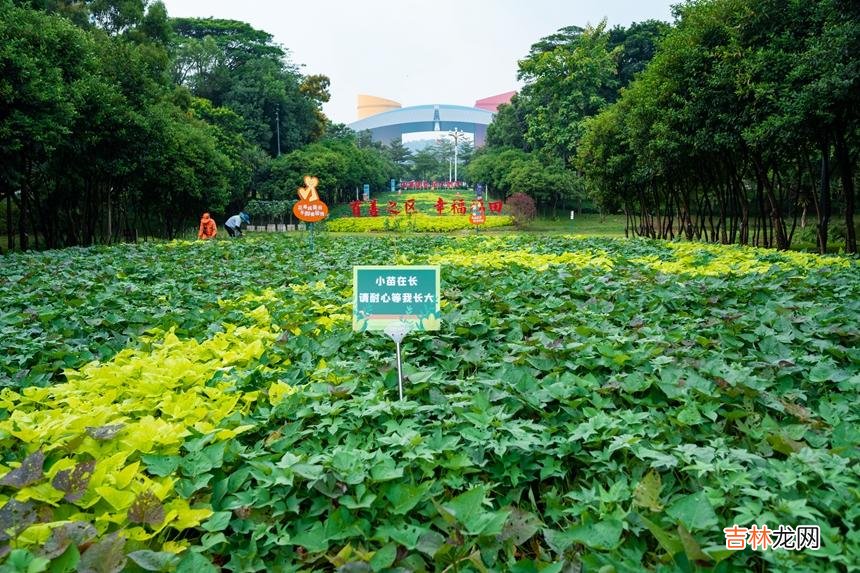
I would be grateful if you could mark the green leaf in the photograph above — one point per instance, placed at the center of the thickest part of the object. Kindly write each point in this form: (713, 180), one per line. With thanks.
(386, 470)
(466, 505)
(689, 415)
(22, 561)
(383, 557)
(599, 535)
(404, 497)
(467, 509)
(218, 521)
(694, 511)
(313, 539)
(154, 560)
(199, 462)
(192, 562)
(161, 466)
(404, 534)
(670, 542)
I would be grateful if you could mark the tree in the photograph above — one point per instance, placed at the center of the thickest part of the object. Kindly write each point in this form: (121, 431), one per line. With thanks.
(565, 84)
(507, 171)
(426, 165)
(400, 155)
(733, 128)
(236, 66)
(508, 128)
(45, 62)
(339, 164)
(638, 45)
(97, 140)
(465, 152)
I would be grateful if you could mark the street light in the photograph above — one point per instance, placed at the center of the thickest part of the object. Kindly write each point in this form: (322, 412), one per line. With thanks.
(456, 133)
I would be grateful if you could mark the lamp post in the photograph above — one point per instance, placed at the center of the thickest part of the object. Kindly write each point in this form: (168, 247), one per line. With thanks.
(456, 133)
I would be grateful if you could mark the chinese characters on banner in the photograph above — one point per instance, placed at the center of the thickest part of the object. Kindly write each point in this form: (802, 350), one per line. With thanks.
(386, 294)
(783, 537)
(309, 207)
(476, 210)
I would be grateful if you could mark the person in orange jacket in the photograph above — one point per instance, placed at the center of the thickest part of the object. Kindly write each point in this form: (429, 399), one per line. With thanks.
(208, 230)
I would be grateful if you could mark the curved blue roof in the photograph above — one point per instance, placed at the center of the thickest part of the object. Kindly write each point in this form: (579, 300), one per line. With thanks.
(426, 118)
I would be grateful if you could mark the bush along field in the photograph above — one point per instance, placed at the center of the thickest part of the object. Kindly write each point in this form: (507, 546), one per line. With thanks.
(588, 405)
(418, 222)
(425, 220)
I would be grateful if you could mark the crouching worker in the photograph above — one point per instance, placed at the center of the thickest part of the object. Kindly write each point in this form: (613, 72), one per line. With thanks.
(208, 230)
(234, 224)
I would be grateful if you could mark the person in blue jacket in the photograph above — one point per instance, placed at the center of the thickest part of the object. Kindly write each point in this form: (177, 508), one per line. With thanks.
(234, 224)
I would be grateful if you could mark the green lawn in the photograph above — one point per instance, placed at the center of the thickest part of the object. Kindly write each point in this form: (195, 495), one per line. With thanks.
(587, 224)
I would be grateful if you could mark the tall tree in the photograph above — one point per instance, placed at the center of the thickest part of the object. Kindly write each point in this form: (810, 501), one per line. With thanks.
(400, 155)
(566, 83)
(46, 62)
(237, 66)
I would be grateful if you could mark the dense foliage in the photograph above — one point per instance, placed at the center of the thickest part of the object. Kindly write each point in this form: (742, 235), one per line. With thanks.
(569, 77)
(586, 402)
(118, 122)
(736, 128)
(340, 163)
(507, 171)
(736, 124)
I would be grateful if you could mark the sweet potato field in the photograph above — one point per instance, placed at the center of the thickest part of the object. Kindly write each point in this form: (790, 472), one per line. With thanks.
(588, 405)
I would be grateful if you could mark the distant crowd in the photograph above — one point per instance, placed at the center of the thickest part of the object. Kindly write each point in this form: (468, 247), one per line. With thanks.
(433, 184)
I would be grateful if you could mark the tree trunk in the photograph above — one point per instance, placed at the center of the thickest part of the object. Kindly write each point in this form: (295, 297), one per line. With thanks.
(10, 232)
(109, 222)
(23, 240)
(847, 178)
(777, 223)
(824, 197)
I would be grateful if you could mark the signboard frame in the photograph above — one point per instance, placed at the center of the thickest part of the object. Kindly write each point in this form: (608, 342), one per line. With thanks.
(422, 318)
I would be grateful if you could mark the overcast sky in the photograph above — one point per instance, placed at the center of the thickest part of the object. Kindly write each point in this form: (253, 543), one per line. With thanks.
(416, 51)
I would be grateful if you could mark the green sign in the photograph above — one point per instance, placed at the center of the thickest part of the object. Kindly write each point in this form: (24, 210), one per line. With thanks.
(384, 295)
